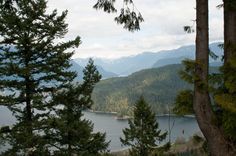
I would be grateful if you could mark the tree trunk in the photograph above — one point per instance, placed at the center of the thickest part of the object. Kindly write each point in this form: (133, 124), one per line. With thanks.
(28, 99)
(229, 29)
(205, 117)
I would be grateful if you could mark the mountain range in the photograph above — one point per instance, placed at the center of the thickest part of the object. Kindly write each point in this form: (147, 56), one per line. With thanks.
(79, 70)
(127, 65)
(150, 74)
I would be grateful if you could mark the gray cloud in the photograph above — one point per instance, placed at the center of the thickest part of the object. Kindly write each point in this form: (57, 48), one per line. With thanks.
(162, 29)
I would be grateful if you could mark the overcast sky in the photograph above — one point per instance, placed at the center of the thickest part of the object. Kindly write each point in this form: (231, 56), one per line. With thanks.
(162, 29)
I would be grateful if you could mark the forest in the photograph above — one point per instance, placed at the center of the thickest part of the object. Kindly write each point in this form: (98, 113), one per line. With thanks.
(116, 93)
(40, 90)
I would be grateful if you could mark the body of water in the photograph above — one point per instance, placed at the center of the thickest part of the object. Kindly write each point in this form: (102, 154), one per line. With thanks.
(182, 126)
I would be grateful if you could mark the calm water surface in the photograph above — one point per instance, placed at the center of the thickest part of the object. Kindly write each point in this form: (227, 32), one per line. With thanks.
(183, 126)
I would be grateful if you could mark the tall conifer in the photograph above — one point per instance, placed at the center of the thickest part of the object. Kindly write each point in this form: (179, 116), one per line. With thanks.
(70, 133)
(143, 133)
(33, 65)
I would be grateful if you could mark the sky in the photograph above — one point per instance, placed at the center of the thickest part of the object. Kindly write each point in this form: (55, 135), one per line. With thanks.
(162, 29)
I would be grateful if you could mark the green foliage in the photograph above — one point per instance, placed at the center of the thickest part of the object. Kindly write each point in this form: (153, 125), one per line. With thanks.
(121, 106)
(69, 133)
(33, 68)
(224, 96)
(154, 84)
(142, 134)
(161, 150)
(222, 87)
(184, 103)
(230, 78)
(91, 77)
(229, 126)
(188, 74)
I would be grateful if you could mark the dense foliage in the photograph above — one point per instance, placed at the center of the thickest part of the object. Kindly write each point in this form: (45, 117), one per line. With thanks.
(158, 85)
(69, 132)
(224, 95)
(222, 89)
(222, 92)
(143, 134)
(32, 66)
(184, 103)
(35, 81)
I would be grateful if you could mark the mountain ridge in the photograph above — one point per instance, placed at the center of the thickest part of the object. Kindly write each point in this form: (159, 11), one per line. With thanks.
(128, 65)
(79, 70)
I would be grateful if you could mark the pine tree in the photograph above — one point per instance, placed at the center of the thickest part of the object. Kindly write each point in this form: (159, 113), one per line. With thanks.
(142, 134)
(69, 132)
(33, 65)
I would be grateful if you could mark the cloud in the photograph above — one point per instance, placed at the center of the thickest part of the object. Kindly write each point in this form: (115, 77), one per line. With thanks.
(162, 29)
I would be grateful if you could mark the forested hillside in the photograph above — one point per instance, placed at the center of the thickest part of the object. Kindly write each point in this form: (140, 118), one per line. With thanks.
(158, 85)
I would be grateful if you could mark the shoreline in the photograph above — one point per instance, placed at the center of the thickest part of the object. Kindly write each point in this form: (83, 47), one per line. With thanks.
(126, 117)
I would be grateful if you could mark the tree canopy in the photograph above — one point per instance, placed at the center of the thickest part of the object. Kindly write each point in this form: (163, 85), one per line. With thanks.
(69, 132)
(143, 134)
(35, 81)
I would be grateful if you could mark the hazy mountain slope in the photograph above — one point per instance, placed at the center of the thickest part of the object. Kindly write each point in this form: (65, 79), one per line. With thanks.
(158, 85)
(79, 69)
(128, 65)
(178, 60)
(166, 61)
(105, 74)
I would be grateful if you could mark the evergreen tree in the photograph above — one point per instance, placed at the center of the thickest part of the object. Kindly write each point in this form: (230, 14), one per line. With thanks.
(33, 65)
(142, 134)
(220, 134)
(184, 103)
(69, 132)
(226, 92)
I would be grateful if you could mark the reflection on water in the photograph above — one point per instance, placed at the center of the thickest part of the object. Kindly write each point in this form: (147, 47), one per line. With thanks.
(183, 126)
